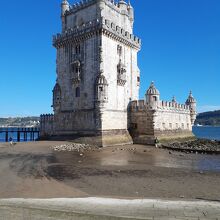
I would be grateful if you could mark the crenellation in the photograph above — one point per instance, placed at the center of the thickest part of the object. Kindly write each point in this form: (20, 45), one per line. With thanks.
(141, 105)
(174, 106)
(134, 105)
(81, 5)
(96, 25)
(86, 3)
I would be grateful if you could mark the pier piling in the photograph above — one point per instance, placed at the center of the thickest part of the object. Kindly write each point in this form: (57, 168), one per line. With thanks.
(28, 134)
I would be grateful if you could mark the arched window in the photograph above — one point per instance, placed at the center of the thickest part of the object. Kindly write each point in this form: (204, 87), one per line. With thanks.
(121, 75)
(76, 71)
(77, 92)
(77, 49)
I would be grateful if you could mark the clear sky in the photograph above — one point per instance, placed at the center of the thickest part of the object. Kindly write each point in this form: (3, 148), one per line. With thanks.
(180, 52)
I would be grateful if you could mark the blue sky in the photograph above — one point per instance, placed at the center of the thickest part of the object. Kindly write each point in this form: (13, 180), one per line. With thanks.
(180, 52)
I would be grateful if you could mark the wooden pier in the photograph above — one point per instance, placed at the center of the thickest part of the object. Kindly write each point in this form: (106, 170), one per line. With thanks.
(28, 134)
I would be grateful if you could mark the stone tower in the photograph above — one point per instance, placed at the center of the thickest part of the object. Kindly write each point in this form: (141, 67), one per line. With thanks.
(191, 102)
(97, 72)
(152, 96)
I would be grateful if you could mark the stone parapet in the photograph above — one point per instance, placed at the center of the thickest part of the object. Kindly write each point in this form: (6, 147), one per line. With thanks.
(120, 32)
(87, 30)
(140, 105)
(76, 34)
(86, 3)
(80, 5)
(46, 125)
(46, 117)
(173, 105)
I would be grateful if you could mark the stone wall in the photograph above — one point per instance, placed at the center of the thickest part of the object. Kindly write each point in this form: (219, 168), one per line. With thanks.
(166, 120)
(46, 125)
(89, 72)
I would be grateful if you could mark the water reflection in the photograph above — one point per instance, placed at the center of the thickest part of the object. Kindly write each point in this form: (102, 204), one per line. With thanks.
(209, 164)
(115, 160)
(161, 158)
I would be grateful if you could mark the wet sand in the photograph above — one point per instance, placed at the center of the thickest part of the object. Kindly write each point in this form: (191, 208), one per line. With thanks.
(34, 170)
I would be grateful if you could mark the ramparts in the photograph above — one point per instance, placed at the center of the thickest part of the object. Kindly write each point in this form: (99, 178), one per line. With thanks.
(86, 3)
(140, 105)
(46, 124)
(105, 25)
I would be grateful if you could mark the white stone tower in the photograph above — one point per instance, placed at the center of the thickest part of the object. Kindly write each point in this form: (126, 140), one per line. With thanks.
(152, 96)
(97, 71)
(191, 102)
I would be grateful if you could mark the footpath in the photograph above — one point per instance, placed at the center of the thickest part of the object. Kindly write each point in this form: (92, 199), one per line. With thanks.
(107, 209)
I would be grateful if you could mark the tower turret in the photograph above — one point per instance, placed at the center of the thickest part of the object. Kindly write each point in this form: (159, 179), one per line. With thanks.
(122, 5)
(174, 99)
(64, 7)
(152, 96)
(131, 13)
(191, 102)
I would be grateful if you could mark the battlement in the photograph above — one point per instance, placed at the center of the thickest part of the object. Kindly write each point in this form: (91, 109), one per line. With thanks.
(105, 25)
(80, 5)
(86, 3)
(77, 31)
(140, 105)
(46, 118)
(173, 105)
(111, 26)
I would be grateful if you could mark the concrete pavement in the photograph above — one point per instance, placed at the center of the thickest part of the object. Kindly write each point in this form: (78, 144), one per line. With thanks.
(107, 209)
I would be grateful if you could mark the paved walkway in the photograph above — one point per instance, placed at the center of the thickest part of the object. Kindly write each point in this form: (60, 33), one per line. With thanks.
(107, 209)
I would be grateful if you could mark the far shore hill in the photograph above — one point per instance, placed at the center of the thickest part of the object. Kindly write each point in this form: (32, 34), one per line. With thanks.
(211, 118)
(31, 121)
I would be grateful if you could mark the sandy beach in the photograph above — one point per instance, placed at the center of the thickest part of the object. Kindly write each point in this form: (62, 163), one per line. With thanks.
(35, 170)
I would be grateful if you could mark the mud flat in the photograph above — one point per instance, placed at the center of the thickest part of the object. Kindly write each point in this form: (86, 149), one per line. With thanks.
(39, 170)
(195, 146)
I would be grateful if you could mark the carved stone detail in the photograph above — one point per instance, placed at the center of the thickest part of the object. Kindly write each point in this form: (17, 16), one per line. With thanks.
(121, 74)
(76, 72)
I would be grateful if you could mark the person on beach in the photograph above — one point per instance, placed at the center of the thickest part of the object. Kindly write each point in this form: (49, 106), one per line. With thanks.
(11, 141)
(156, 142)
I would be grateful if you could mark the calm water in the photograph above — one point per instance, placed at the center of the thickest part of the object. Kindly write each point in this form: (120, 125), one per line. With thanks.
(212, 133)
(14, 135)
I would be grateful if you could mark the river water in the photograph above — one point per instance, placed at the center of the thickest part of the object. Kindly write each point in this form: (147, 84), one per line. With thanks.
(212, 133)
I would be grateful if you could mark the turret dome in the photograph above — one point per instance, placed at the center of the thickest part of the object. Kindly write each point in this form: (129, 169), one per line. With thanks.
(122, 5)
(65, 6)
(152, 90)
(190, 99)
(122, 2)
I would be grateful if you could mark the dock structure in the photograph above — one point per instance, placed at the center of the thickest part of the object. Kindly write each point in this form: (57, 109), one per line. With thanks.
(28, 134)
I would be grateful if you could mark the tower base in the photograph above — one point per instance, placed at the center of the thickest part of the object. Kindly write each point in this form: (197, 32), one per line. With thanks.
(99, 138)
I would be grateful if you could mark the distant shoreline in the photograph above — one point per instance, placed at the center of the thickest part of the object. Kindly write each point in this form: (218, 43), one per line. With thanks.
(216, 126)
(19, 126)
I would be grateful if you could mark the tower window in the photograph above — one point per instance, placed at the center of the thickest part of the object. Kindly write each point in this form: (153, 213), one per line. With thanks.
(77, 49)
(77, 92)
(119, 50)
(138, 79)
